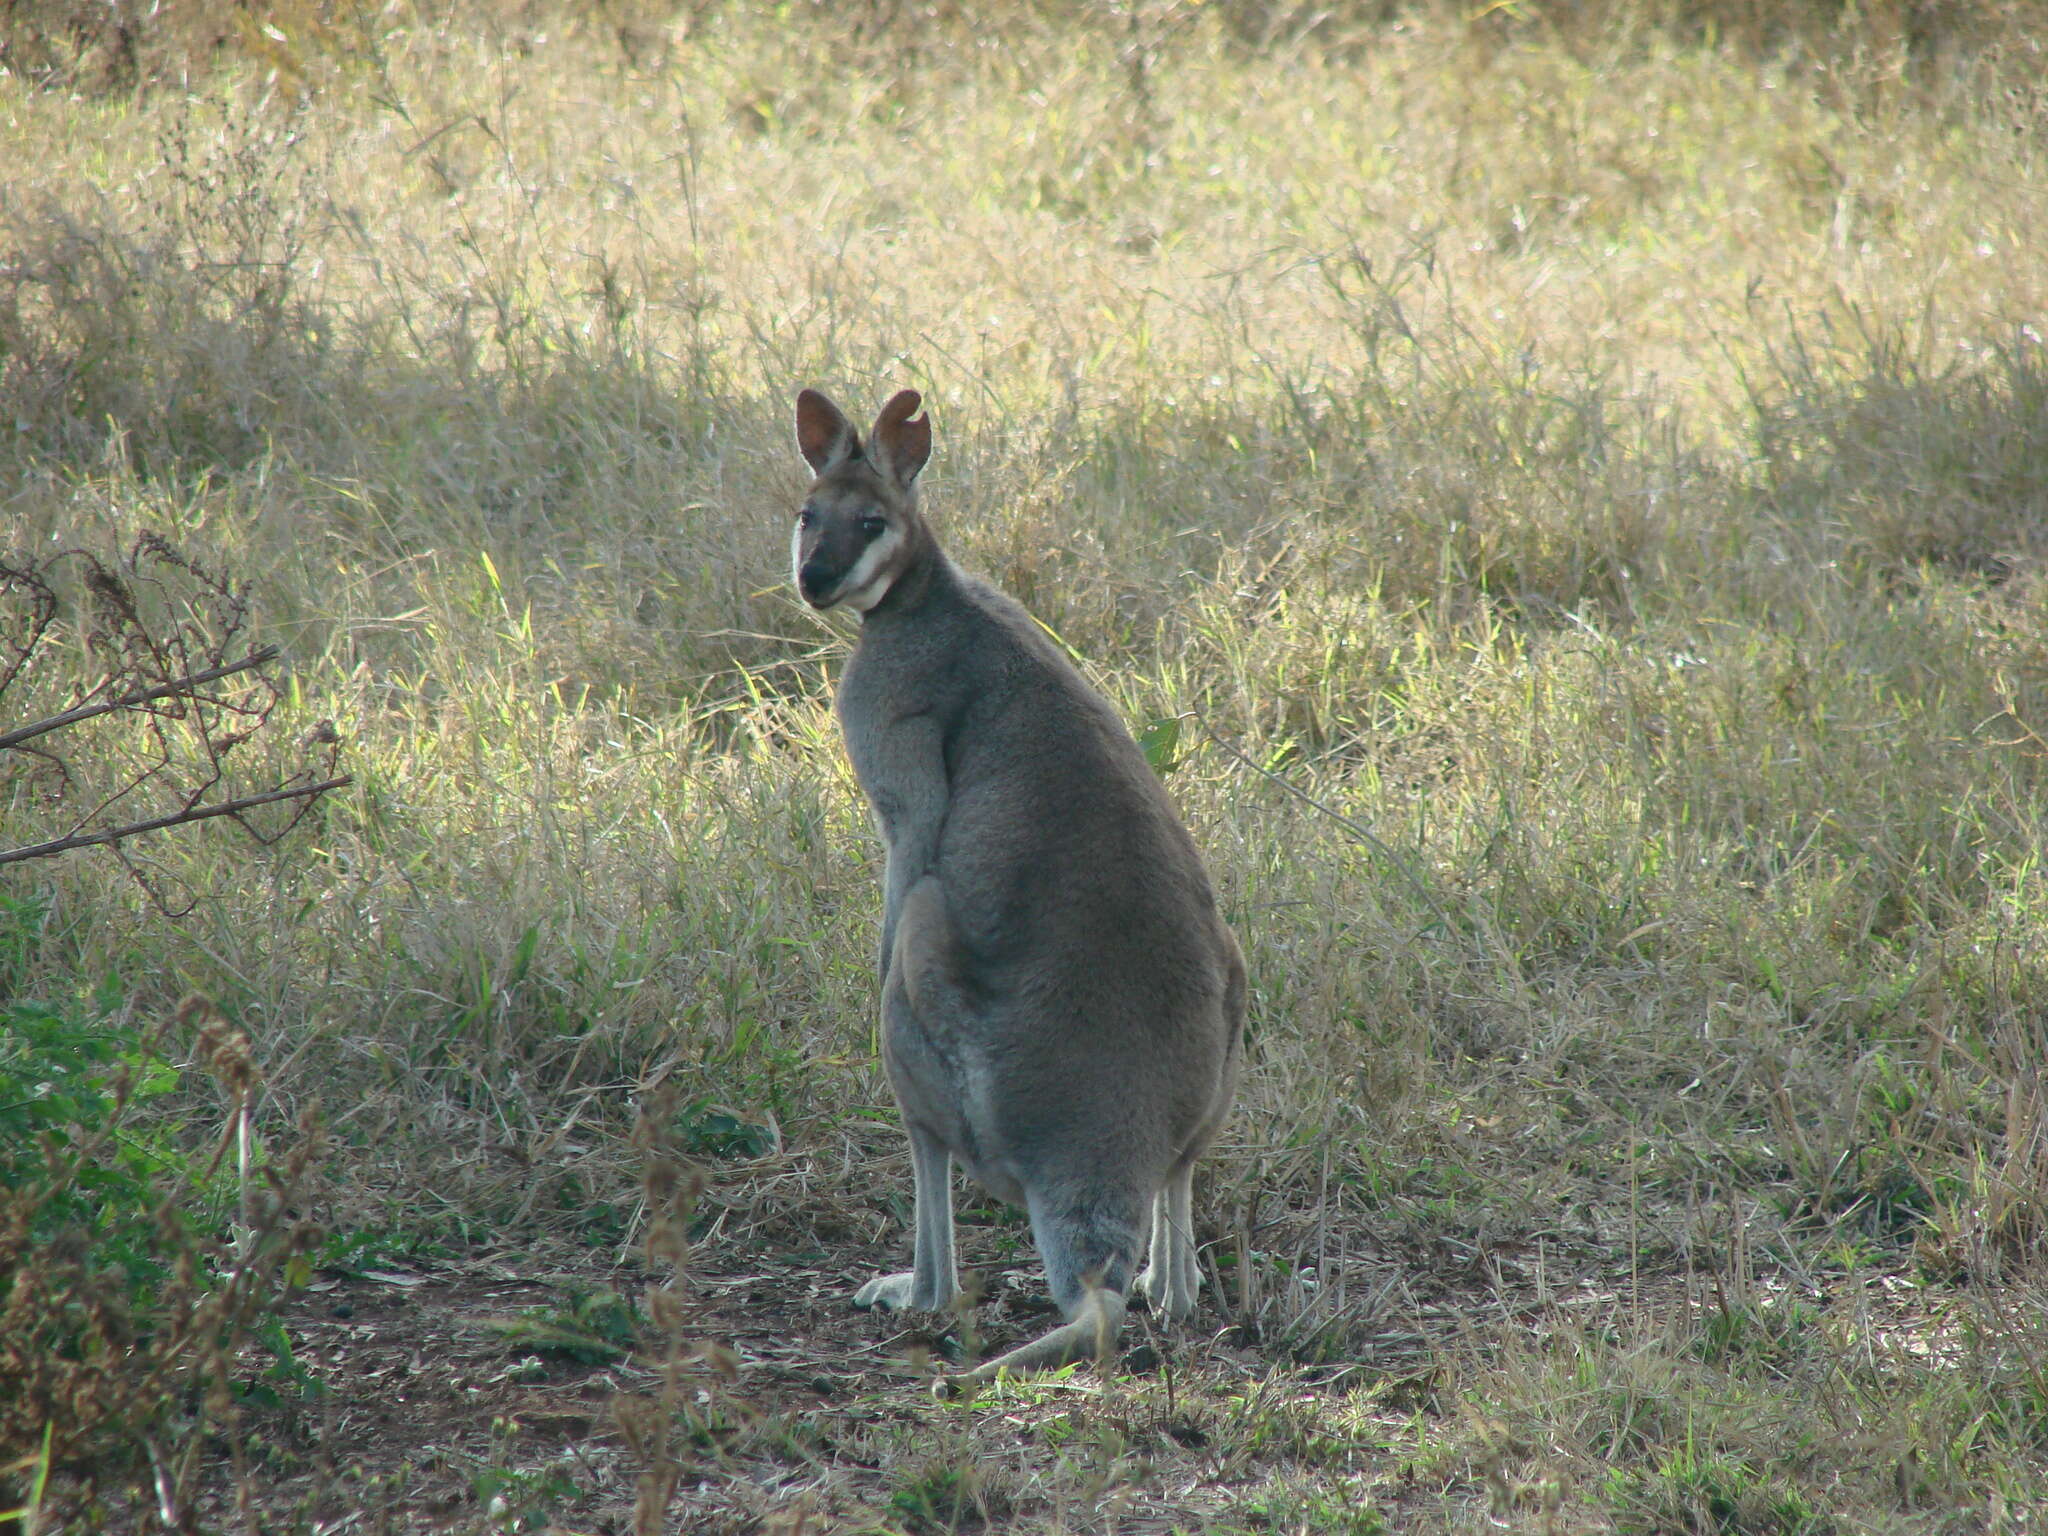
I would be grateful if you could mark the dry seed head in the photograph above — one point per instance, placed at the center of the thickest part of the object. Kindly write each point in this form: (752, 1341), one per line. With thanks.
(641, 1421)
(646, 1136)
(722, 1362)
(227, 1051)
(660, 1179)
(302, 1154)
(665, 1309)
(262, 1207)
(220, 1402)
(667, 1242)
(651, 1125)
(653, 1490)
(114, 603)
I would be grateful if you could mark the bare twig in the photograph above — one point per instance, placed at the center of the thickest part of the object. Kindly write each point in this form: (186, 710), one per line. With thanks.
(176, 688)
(175, 819)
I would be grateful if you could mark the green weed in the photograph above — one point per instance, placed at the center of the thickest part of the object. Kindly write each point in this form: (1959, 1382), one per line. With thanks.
(945, 1496)
(589, 1328)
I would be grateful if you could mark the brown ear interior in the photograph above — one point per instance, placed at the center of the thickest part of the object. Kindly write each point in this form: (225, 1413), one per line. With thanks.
(823, 434)
(904, 437)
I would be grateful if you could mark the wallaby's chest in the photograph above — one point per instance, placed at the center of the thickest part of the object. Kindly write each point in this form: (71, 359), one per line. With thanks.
(893, 716)
(901, 686)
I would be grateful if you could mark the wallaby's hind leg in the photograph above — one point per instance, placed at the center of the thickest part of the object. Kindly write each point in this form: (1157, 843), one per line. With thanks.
(1088, 1258)
(1171, 1279)
(930, 1283)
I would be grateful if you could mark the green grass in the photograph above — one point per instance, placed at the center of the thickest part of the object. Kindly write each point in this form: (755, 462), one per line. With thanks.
(1576, 485)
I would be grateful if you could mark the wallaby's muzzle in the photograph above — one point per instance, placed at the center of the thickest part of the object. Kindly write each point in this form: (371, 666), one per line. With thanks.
(819, 581)
(844, 558)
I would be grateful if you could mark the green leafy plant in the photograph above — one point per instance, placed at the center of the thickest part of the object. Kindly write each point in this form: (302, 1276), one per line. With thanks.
(706, 1130)
(124, 1288)
(1693, 1490)
(66, 1076)
(518, 1499)
(945, 1495)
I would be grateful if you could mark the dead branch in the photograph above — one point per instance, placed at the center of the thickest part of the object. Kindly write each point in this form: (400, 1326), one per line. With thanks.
(151, 645)
(183, 685)
(175, 819)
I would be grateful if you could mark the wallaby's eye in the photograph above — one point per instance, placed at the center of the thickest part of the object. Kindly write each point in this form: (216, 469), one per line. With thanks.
(805, 518)
(871, 526)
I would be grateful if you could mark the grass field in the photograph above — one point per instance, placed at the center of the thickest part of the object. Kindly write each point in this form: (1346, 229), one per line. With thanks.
(1567, 491)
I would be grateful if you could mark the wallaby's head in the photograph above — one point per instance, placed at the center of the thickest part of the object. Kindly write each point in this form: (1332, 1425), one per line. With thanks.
(858, 529)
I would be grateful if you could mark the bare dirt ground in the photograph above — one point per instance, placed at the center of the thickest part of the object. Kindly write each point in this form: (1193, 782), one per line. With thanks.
(425, 1404)
(430, 1405)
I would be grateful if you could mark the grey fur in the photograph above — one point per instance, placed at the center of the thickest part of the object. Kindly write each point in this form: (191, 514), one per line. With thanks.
(1062, 1003)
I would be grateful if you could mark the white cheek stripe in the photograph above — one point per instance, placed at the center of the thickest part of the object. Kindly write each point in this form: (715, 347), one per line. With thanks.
(869, 580)
(796, 556)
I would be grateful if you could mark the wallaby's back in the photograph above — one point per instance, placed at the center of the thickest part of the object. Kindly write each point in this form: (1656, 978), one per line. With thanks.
(1072, 887)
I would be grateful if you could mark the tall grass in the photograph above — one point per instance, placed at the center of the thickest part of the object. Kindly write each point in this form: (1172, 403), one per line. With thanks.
(1578, 483)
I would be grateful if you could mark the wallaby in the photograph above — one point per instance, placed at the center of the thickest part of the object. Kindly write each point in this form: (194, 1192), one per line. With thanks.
(1062, 1004)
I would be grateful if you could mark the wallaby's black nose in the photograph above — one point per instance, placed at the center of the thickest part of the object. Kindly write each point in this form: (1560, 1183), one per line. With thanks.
(815, 580)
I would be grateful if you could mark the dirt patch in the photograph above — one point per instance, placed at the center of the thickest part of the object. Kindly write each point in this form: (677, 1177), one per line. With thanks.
(1385, 1387)
(416, 1400)
(414, 1404)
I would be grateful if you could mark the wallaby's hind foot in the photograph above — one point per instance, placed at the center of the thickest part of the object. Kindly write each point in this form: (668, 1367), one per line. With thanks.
(1088, 1255)
(1171, 1279)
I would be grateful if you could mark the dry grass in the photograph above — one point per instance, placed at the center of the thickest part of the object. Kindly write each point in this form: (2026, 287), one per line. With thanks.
(1604, 461)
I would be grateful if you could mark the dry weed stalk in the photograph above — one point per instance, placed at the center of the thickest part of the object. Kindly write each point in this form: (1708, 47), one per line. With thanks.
(670, 1187)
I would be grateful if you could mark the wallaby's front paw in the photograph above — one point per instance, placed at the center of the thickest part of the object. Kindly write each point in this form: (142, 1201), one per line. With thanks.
(892, 1293)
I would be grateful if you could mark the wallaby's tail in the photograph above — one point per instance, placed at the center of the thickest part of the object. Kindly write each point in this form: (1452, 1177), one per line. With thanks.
(1090, 1334)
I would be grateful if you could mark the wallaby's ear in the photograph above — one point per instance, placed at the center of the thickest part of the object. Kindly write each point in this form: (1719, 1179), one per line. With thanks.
(823, 434)
(905, 443)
